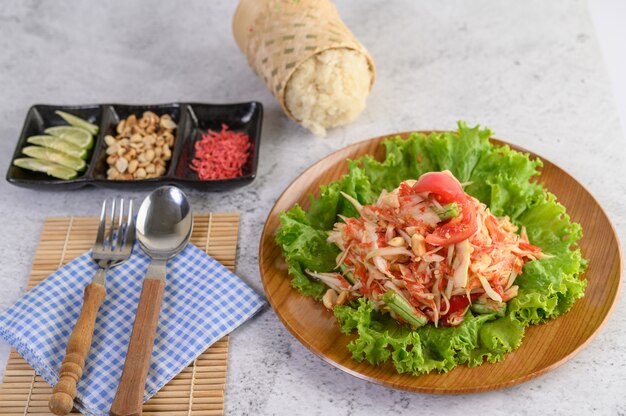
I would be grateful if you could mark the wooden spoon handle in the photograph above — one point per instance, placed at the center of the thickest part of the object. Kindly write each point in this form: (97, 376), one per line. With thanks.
(63, 394)
(129, 396)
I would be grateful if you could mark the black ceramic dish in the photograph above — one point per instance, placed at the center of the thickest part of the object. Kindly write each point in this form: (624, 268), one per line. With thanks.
(193, 119)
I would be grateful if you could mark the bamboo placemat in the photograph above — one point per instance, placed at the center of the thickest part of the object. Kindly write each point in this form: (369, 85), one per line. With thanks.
(198, 390)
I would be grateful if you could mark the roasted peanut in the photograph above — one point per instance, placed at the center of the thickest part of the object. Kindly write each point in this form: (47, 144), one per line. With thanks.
(343, 297)
(121, 126)
(167, 154)
(168, 124)
(151, 117)
(150, 139)
(111, 159)
(142, 146)
(418, 244)
(396, 242)
(111, 150)
(132, 166)
(330, 298)
(121, 165)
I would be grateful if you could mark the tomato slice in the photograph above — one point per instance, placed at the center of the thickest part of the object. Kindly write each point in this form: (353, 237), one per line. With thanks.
(446, 189)
(457, 229)
(443, 185)
(457, 303)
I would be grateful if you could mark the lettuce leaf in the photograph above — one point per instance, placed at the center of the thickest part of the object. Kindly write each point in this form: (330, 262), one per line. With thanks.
(420, 351)
(304, 247)
(502, 178)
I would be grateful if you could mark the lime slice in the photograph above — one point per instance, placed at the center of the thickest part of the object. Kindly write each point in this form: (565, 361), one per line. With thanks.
(45, 166)
(80, 137)
(59, 144)
(55, 156)
(78, 122)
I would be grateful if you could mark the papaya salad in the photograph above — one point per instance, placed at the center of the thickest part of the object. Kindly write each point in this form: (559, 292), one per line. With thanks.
(426, 252)
(439, 254)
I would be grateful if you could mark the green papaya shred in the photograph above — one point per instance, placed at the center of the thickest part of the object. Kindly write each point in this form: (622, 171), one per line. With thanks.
(502, 178)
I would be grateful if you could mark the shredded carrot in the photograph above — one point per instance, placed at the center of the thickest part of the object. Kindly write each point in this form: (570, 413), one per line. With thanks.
(221, 155)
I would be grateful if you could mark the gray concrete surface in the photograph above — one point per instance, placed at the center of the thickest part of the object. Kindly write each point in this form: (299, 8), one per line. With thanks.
(529, 70)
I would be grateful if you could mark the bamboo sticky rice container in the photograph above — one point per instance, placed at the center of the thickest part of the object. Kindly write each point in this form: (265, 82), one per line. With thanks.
(279, 36)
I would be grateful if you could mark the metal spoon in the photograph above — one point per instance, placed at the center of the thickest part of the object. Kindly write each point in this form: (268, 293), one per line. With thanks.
(164, 224)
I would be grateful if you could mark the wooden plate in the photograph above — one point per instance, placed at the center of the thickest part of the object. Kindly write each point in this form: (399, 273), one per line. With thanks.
(544, 346)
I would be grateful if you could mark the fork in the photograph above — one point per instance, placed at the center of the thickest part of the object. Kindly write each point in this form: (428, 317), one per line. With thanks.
(110, 249)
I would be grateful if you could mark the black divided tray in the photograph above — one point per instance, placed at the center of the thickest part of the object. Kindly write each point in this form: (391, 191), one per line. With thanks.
(193, 119)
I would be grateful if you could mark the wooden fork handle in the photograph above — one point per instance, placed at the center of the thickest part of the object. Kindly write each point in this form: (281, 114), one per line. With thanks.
(129, 396)
(63, 394)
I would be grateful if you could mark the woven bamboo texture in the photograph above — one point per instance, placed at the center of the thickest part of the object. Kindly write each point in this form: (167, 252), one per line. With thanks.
(198, 390)
(277, 36)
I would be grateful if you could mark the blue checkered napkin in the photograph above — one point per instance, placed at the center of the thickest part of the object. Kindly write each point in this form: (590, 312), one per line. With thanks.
(203, 301)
